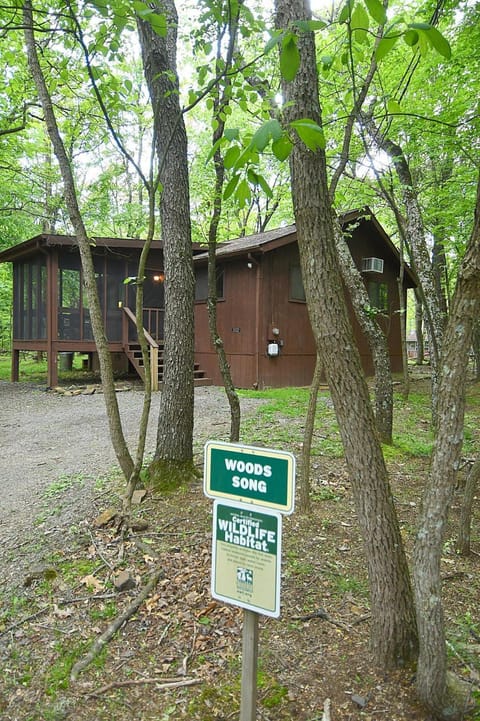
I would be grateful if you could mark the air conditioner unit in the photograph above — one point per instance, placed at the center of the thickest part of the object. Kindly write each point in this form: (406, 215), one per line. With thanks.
(372, 265)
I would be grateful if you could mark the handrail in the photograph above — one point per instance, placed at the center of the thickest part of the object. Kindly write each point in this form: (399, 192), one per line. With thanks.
(153, 343)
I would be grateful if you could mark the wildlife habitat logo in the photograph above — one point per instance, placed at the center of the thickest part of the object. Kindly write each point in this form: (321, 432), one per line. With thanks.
(244, 580)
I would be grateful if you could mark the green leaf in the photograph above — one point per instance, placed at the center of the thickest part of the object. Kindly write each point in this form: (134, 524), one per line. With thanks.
(345, 12)
(252, 176)
(274, 41)
(159, 24)
(411, 37)
(420, 26)
(310, 133)
(385, 45)
(377, 11)
(231, 134)
(327, 61)
(231, 156)
(310, 25)
(282, 148)
(264, 186)
(141, 8)
(439, 42)
(243, 193)
(271, 130)
(393, 106)
(231, 185)
(289, 58)
(359, 20)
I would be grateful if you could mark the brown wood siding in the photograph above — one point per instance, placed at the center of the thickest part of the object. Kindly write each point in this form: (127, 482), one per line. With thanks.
(236, 322)
(366, 245)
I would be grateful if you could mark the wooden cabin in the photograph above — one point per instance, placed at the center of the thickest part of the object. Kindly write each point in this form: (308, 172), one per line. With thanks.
(50, 308)
(262, 314)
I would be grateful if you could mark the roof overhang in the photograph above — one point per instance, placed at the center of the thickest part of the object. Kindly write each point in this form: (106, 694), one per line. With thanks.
(44, 241)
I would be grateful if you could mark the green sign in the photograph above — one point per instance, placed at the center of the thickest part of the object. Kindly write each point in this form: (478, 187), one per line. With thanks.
(246, 557)
(248, 474)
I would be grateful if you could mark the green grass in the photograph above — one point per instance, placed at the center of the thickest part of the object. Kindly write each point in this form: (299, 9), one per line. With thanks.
(32, 370)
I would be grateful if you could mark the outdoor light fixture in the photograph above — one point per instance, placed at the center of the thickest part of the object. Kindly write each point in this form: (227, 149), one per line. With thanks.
(159, 277)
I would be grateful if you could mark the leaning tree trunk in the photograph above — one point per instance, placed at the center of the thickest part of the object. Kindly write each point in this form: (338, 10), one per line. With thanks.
(419, 329)
(393, 634)
(376, 338)
(305, 505)
(476, 349)
(113, 415)
(174, 447)
(433, 683)
(220, 102)
(465, 524)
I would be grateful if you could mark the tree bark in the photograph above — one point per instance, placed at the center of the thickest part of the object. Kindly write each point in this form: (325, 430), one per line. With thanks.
(393, 635)
(219, 103)
(305, 505)
(433, 684)
(375, 337)
(70, 195)
(174, 446)
(465, 525)
(421, 262)
(419, 329)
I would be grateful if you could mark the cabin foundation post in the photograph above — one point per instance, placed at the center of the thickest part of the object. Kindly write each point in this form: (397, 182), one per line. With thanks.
(15, 365)
(52, 369)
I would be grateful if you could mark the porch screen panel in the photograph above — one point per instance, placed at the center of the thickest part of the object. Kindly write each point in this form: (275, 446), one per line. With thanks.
(69, 298)
(115, 293)
(30, 294)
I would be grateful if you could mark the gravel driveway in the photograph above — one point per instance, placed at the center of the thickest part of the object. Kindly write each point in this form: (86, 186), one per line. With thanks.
(50, 440)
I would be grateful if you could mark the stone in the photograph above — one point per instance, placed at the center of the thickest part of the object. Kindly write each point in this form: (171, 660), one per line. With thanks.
(39, 573)
(124, 581)
(138, 525)
(359, 701)
(138, 496)
(105, 518)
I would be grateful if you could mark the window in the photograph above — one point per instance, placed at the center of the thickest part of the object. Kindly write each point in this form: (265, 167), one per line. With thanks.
(378, 294)
(201, 283)
(296, 290)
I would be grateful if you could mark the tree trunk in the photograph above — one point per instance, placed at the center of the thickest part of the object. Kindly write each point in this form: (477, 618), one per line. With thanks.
(219, 103)
(375, 337)
(476, 349)
(83, 241)
(433, 684)
(305, 505)
(465, 525)
(174, 447)
(393, 634)
(421, 262)
(419, 329)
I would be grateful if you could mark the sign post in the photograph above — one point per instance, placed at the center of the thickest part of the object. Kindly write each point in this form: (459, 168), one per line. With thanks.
(248, 698)
(252, 487)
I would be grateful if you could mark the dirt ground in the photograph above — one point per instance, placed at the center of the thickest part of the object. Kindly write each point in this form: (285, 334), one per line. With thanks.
(178, 655)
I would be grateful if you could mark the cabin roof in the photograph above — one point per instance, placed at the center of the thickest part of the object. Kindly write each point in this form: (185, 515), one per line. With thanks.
(48, 240)
(269, 240)
(258, 243)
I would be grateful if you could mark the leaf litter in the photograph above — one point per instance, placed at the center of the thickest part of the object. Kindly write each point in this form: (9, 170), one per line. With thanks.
(178, 655)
